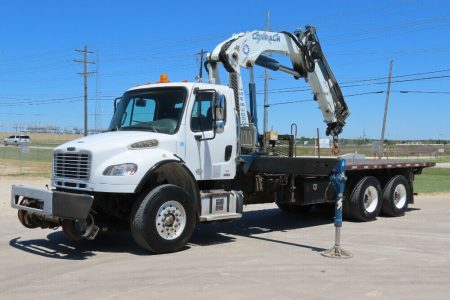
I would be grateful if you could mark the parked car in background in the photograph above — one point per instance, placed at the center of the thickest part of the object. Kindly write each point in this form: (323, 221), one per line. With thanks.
(17, 140)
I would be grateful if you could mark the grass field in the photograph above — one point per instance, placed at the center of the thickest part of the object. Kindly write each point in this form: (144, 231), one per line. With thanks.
(442, 159)
(33, 154)
(9, 167)
(433, 180)
(37, 162)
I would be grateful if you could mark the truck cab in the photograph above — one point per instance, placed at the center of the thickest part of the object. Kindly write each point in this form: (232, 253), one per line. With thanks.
(175, 142)
(154, 124)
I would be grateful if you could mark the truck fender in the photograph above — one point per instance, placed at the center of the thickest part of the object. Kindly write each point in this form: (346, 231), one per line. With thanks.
(171, 172)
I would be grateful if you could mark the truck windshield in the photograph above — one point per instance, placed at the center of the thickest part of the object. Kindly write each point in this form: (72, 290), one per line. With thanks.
(158, 110)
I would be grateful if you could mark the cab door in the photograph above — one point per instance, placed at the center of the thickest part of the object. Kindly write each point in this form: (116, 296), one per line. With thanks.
(210, 153)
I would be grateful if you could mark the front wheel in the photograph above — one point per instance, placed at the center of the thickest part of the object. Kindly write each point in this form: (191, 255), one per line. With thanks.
(164, 219)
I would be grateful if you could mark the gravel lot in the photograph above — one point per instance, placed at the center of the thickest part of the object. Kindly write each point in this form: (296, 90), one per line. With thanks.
(265, 255)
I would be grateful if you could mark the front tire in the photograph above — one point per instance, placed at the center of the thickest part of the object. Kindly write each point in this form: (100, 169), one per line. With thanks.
(164, 219)
(365, 199)
(396, 196)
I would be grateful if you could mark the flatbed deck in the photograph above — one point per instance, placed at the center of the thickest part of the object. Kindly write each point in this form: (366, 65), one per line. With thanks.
(313, 166)
(370, 164)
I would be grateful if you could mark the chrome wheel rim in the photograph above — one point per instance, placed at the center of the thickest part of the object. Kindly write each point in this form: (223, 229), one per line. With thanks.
(400, 196)
(370, 199)
(170, 220)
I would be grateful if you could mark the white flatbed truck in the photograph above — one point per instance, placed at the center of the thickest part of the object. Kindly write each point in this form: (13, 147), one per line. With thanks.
(179, 153)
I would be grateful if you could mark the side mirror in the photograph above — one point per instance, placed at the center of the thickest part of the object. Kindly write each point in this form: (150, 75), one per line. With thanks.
(116, 101)
(219, 113)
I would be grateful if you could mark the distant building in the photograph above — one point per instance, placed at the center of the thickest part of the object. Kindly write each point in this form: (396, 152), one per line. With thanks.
(43, 129)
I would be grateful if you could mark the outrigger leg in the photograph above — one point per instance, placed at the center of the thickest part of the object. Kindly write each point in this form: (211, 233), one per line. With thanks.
(338, 180)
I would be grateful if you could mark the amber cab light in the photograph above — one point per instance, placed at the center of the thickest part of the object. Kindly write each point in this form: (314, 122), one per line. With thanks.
(163, 78)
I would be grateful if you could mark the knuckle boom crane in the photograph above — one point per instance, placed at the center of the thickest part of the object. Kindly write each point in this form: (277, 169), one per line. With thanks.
(245, 50)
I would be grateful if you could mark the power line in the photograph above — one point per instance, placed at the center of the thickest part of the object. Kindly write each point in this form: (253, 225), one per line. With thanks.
(27, 101)
(398, 76)
(393, 27)
(422, 92)
(41, 102)
(110, 97)
(366, 93)
(311, 100)
(296, 89)
(397, 81)
(406, 51)
(420, 25)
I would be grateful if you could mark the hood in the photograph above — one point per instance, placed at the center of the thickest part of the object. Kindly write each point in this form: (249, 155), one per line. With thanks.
(118, 139)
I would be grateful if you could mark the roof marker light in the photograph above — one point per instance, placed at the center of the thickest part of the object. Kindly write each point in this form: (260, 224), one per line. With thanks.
(163, 78)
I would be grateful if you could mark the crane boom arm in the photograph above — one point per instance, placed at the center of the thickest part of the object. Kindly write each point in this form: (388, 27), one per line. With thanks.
(244, 50)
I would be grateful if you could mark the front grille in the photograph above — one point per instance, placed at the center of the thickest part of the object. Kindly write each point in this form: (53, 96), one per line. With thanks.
(71, 165)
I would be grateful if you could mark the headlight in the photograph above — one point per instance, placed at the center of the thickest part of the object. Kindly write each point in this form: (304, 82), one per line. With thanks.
(120, 170)
(144, 144)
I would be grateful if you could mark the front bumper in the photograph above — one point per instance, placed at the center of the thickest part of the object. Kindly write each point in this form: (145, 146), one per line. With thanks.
(52, 203)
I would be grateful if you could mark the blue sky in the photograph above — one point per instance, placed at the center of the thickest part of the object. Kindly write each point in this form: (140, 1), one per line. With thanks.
(135, 41)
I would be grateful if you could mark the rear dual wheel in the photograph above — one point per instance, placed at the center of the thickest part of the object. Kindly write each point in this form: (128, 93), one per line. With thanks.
(365, 200)
(396, 196)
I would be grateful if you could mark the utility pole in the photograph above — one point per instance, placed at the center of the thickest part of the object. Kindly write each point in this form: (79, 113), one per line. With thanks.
(266, 92)
(385, 110)
(97, 91)
(85, 74)
(200, 71)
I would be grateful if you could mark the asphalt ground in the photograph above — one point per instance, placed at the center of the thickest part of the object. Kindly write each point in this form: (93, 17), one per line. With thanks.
(267, 254)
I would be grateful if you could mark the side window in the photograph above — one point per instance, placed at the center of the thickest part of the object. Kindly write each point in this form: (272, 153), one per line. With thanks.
(202, 112)
(222, 114)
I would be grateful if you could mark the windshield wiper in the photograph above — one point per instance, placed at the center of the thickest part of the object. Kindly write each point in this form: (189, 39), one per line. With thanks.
(154, 128)
(140, 128)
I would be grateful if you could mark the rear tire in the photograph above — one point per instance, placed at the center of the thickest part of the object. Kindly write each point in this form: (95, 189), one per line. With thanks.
(164, 219)
(396, 196)
(365, 199)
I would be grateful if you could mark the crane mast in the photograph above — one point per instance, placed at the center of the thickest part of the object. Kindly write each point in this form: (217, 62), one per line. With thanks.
(245, 50)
